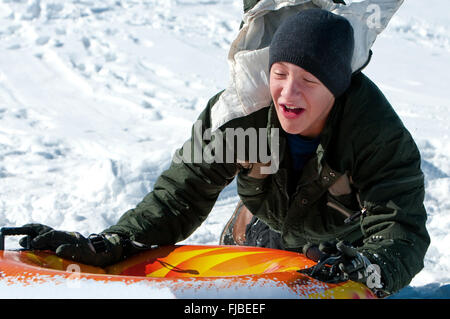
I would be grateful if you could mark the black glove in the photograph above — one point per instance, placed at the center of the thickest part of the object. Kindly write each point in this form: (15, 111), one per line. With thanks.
(97, 250)
(346, 262)
(358, 267)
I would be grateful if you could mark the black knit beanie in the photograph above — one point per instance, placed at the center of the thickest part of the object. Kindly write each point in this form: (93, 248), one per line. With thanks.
(318, 41)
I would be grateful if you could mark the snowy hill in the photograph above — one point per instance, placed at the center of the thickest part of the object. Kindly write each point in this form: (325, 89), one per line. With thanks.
(95, 96)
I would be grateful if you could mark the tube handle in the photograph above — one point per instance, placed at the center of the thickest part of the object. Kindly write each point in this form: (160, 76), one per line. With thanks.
(15, 231)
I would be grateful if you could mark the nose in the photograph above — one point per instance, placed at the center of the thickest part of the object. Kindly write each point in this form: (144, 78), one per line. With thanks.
(291, 88)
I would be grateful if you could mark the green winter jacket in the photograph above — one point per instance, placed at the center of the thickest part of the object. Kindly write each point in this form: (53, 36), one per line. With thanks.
(366, 162)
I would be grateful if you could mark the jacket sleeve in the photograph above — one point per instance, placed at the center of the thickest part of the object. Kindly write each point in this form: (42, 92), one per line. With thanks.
(182, 197)
(391, 184)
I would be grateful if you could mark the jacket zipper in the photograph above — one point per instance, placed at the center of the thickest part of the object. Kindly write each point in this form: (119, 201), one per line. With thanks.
(351, 218)
(350, 214)
(362, 212)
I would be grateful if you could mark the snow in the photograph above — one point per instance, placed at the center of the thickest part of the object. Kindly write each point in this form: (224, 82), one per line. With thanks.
(82, 288)
(95, 97)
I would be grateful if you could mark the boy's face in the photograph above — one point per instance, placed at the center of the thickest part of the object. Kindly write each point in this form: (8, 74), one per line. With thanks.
(302, 102)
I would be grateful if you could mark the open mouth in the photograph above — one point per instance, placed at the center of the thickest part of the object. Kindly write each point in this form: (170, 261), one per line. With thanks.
(292, 109)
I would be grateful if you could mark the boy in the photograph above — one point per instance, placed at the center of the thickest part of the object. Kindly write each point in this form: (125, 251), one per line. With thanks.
(347, 170)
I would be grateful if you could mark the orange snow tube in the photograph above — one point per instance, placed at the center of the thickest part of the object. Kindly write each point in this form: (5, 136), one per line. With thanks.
(188, 271)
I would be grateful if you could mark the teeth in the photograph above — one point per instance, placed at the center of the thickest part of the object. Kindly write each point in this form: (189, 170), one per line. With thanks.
(292, 107)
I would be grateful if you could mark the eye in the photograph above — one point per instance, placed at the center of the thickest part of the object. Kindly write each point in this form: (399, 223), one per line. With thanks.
(279, 73)
(309, 80)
